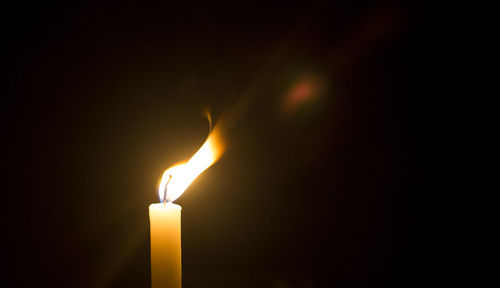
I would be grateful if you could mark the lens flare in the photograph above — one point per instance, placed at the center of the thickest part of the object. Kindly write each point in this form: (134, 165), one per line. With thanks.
(306, 89)
(177, 179)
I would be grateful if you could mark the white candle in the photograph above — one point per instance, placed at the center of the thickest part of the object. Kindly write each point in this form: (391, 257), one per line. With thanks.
(166, 268)
(165, 218)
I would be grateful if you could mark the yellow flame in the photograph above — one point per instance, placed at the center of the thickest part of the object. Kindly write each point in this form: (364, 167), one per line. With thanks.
(185, 173)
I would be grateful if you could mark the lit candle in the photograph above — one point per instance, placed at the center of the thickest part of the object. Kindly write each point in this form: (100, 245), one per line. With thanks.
(165, 217)
(165, 221)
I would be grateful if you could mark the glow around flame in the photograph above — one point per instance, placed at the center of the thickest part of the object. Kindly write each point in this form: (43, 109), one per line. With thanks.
(185, 173)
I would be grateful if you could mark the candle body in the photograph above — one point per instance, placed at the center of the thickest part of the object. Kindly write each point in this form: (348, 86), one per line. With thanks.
(166, 268)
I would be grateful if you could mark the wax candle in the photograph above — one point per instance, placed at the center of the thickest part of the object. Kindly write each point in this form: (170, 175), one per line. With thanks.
(165, 224)
(165, 217)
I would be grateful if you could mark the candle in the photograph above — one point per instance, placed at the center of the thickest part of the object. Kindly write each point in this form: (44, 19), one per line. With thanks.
(165, 217)
(165, 220)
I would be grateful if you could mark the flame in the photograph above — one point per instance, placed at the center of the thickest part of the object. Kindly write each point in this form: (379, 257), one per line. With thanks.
(177, 178)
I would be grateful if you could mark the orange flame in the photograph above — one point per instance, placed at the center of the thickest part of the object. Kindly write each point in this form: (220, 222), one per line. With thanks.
(177, 179)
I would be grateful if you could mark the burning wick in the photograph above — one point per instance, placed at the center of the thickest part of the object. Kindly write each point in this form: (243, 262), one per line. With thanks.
(165, 191)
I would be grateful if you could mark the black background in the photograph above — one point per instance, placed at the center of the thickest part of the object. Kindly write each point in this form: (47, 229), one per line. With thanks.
(104, 97)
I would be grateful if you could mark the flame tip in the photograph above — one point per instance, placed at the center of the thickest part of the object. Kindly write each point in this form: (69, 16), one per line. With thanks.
(179, 177)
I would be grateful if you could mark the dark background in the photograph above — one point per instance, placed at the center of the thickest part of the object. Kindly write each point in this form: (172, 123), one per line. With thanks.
(333, 192)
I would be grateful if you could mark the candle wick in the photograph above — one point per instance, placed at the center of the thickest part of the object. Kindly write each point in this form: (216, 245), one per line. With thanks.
(165, 191)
